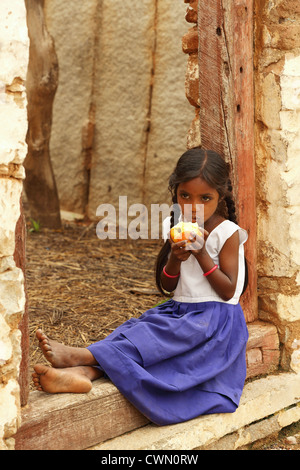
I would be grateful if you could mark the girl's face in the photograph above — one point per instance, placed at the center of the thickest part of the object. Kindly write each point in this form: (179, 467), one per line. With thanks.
(197, 192)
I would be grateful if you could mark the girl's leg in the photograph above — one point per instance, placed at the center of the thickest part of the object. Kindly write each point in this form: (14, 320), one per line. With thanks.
(61, 356)
(69, 380)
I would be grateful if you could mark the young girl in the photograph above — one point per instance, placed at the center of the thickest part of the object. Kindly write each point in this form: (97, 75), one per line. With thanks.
(185, 357)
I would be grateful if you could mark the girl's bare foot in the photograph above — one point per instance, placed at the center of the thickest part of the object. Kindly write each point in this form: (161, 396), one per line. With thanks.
(68, 380)
(61, 356)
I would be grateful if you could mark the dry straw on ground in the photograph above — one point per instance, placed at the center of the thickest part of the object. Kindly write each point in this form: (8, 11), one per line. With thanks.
(80, 288)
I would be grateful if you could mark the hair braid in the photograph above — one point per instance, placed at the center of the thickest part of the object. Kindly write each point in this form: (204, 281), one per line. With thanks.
(232, 216)
(230, 203)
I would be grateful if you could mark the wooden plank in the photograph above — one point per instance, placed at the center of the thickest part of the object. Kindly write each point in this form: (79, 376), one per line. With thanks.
(76, 421)
(19, 257)
(227, 110)
(210, 20)
(242, 66)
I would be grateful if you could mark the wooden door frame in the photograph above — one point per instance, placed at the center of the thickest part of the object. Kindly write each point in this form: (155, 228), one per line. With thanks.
(20, 260)
(227, 125)
(226, 87)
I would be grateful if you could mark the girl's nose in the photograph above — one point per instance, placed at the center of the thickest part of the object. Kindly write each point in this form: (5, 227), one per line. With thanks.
(198, 213)
(197, 208)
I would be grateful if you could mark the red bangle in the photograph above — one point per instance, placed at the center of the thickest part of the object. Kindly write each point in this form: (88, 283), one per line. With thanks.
(211, 270)
(168, 275)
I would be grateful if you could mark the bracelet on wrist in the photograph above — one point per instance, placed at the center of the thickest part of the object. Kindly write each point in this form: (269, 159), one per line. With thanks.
(168, 275)
(211, 270)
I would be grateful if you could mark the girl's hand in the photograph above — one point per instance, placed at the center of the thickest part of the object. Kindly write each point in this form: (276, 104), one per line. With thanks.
(178, 254)
(197, 242)
(180, 250)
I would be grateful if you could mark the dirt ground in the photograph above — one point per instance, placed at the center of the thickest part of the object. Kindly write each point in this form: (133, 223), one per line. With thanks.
(80, 288)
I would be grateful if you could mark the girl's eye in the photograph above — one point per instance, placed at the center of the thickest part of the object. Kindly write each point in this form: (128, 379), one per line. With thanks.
(205, 198)
(184, 196)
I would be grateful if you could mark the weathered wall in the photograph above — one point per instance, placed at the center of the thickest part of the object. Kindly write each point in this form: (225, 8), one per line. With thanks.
(13, 118)
(73, 26)
(190, 46)
(277, 62)
(120, 114)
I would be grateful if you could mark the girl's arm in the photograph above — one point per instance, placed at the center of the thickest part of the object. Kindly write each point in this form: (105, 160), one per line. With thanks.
(224, 279)
(172, 268)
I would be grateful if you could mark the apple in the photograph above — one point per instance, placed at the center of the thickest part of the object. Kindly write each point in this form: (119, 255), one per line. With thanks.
(184, 230)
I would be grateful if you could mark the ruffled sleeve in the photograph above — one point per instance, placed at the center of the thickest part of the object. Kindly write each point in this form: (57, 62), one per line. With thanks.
(220, 235)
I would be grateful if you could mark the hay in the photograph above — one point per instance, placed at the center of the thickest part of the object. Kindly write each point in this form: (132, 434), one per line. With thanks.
(80, 288)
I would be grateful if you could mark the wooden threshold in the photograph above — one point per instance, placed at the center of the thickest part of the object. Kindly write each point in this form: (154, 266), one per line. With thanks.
(79, 421)
(69, 421)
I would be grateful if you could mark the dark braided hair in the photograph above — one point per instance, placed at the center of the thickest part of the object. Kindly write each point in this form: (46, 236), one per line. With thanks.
(213, 169)
(230, 203)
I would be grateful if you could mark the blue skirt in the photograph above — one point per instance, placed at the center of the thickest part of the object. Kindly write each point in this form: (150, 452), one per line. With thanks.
(178, 360)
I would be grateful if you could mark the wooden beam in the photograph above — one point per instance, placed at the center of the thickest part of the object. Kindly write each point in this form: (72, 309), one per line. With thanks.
(244, 135)
(227, 110)
(212, 122)
(76, 421)
(20, 260)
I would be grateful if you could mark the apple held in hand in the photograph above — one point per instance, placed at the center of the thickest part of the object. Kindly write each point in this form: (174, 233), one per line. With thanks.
(185, 231)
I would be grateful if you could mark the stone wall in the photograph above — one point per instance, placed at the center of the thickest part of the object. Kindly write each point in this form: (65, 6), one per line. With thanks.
(277, 64)
(121, 116)
(190, 46)
(13, 118)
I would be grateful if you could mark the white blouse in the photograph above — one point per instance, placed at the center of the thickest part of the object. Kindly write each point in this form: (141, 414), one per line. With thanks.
(192, 285)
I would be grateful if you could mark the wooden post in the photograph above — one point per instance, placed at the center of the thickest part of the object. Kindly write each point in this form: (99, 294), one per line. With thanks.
(19, 257)
(41, 86)
(227, 109)
(244, 134)
(211, 86)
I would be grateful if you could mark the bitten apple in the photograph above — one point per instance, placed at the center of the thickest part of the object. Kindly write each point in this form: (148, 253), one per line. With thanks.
(184, 231)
